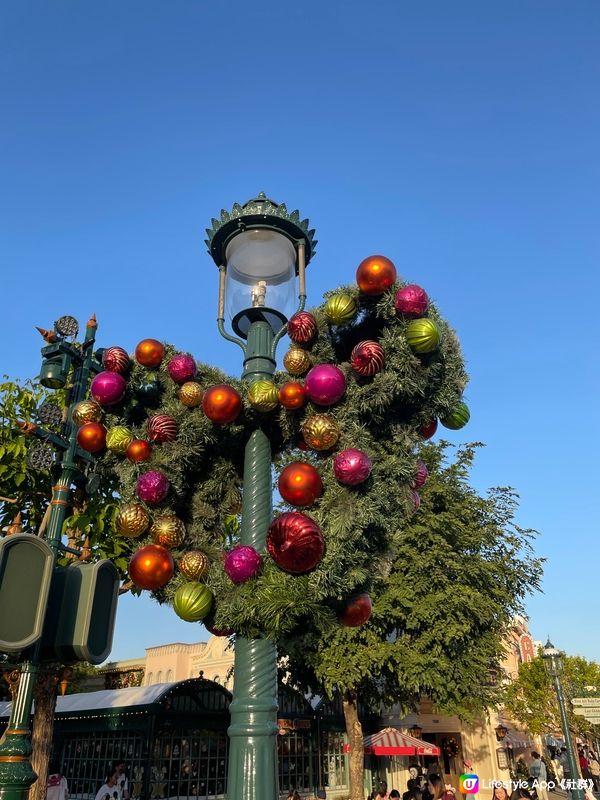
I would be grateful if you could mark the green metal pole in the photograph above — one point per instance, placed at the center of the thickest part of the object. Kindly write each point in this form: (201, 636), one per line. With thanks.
(576, 793)
(252, 769)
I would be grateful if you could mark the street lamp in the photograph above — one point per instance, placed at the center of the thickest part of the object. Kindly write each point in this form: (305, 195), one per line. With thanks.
(416, 731)
(260, 249)
(501, 731)
(553, 665)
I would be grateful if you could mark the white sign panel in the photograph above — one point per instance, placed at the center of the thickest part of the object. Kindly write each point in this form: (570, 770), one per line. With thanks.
(586, 702)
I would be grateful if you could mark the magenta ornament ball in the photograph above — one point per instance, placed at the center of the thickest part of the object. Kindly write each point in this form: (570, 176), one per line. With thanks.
(325, 384)
(416, 500)
(108, 388)
(181, 368)
(351, 467)
(421, 476)
(242, 562)
(411, 301)
(152, 487)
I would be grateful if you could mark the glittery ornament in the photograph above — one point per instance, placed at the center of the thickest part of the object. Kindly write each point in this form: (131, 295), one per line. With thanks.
(149, 353)
(162, 428)
(421, 476)
(242, 563)
(356, 611)
(428, 429)
(320, 432)
(351, 467)
(221, 403)
(367, 358)
(296, 361)
(457, 418)
(138, 450)
(118, 439)
(152, 487)
(151, 567)
(341, 309)
(423, 335)
(192, 601)
(91, 437)
(194, 564)
(295, 542)
(168, 531)
(325, 384)
(108, 388)
(302, 327)
(300, 484)
(262, 395)
(191, 394)
(375, 275)
(115, 359)
(181, 368)
(292, 395)
(411, 301)
(132, 520)
(87, 411)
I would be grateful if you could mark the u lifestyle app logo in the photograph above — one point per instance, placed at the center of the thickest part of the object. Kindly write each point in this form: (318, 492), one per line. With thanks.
(468, 783)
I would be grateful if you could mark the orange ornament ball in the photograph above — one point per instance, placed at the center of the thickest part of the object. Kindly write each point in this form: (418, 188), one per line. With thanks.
(375, 275)
(221, 403)
(91, 437)
(149, 353)
(139, 450)
(300, 484)
(292, 395)
(151, 567)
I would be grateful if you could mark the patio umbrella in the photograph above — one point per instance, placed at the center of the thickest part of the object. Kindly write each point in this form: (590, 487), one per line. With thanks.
(392, 742)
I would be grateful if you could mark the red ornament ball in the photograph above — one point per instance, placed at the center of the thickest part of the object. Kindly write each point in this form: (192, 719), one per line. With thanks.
(302, 327)
(421, 476)
(295, 542)
(367, 358)
(221, 403)
(91, 437)
(181, 368)
(352, 467)
(375, 275)
(416, 500)
(162, 428)
(292, 395)
(411, 301)
(138, 450)
(115, 359)
(149, 353)
(300, 484)
(151, 567)
(356, 611)
(428, 429)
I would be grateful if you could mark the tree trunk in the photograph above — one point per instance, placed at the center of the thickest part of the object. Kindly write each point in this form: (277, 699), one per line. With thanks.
(42, 732)
(355, 740)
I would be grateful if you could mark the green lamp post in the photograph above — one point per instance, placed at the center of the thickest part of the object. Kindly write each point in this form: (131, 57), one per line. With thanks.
(261, 251)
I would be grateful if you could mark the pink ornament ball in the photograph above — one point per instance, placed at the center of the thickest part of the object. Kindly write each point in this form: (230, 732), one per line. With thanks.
(416, 500)
(152, 487)
(411, 301)
(181, 368)
(242, 563)
(352, 467)
(325, 384)
(108, 388)
(421, 476)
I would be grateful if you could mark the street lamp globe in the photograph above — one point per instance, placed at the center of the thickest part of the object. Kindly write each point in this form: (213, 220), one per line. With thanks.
(552, 660)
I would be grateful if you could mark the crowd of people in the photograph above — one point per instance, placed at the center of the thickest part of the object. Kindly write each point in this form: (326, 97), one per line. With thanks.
(115, 786)
(419, 787)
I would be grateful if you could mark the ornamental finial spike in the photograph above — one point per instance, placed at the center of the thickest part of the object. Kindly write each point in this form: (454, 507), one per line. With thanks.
(92, 322)
(15, 526)
(48, 336)
(27, 427)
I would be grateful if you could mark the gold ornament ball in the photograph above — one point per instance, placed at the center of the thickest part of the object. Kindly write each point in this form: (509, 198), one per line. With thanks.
(118, 439)
(168, 531)
(194, 564)
(262, 396)
(132, 520)
(341, 309)
(296, 361)
(87, 411)
(191, 394)
(320, 432)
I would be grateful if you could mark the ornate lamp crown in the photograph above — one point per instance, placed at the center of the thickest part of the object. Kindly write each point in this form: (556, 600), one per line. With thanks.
(260, 212)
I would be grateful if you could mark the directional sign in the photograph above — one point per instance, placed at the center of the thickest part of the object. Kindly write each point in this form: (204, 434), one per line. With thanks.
(586, 701)
(587, 711)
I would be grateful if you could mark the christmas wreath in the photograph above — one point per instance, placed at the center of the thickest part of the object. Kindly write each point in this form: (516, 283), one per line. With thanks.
(450, 746)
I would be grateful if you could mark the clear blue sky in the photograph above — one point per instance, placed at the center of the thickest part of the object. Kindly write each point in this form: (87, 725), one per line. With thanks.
(460, 139)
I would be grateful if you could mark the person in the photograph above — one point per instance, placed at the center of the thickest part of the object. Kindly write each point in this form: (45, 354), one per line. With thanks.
(122, 782)
(594, 767)
(57, 787)
(395, 794)
(411, 785)
(521, 793)
(564, 762)
(584, 764)
(500, 793)
(438, 789)
(537, 771)
(109, 789)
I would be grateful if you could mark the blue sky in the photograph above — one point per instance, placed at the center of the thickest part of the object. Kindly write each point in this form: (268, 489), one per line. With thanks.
(459, 139)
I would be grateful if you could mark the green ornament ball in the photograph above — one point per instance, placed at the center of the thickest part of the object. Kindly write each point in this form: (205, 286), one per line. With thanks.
(192, 601)
(118, 439)
(341, 309)
(262, 396)
(423, 335)
(457, 418)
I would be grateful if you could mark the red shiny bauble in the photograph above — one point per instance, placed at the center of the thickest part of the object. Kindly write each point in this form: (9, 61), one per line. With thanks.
(356, 611)
(292, 395)
(221, 403)
(115, 359)
(302, 327)
(149, 353)
(92, 437)
(428, 429)
(375, 275)
(295, 542)
(162, 428)
(411, 301)
(367, 358)
(151, 567)
(300, 484)
(138, 450)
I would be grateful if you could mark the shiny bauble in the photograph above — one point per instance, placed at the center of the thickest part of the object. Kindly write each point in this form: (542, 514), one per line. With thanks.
(351, 467)
(295, 542)
(300, 484)
(181, 368)
(151, 567)
(108, 388)
(194, 564)
(191, 394)
(192, 601)
(421, 476)
(341, 309)
(149, 353)
(91, 437)
(292, 395)
(296, 361)
(152, 487)
(118, 439)
(320, 432)
(208, 622)
(262, 396)
(457, 418)
(148, 392)
(325, 384)
(221, 403)
(356, 611)
(375, 275)
(87, 411)
(415, 498)
(132, 520)
(162, 428)
(168, 531)
(115, 359)
(422, 335)
(428, 429)
(242, 563)
(411, 301)
(367, 358)
(302, 327)
(138, 450)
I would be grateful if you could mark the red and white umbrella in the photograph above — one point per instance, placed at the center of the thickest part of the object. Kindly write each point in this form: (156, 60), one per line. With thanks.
(392, 742)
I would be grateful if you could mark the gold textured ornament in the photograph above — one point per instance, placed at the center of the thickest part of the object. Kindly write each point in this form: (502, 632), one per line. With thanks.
(320, 432)
(132, 520)
(87, 411)
(194, 564)
(168, 531)
(262, 396)
(191, 394)
(341, 309)
(296, 361)
(118, 439)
